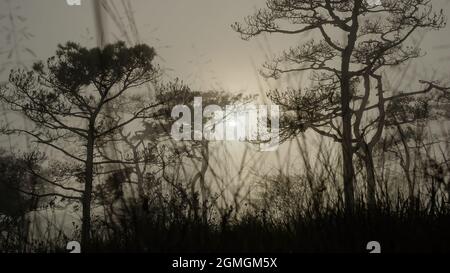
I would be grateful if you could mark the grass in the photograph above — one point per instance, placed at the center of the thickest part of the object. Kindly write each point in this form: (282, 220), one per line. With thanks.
(331, 231)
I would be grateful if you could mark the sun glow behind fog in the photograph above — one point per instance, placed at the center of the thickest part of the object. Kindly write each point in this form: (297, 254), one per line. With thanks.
(237, 123)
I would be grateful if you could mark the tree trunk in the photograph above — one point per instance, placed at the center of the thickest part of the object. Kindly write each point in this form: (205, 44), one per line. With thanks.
(87, 195)
(371, 181)
(406, 164)
(347, 153)
(203, 188)
(142, 200)
(347, 149)
(200, 176)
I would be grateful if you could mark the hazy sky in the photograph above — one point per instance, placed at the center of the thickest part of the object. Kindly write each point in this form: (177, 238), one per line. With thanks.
(193, 37)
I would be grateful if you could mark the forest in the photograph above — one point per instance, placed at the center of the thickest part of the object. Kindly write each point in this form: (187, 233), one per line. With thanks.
(89, 154)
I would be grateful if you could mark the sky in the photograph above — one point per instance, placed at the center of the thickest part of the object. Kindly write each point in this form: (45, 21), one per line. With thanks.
(193, 38)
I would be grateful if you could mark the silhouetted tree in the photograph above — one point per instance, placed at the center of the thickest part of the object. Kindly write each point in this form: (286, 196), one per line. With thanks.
(407, 138)
(20, 193)
(66, 99)
(18, 186)
(375, 38)
(195, 150)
